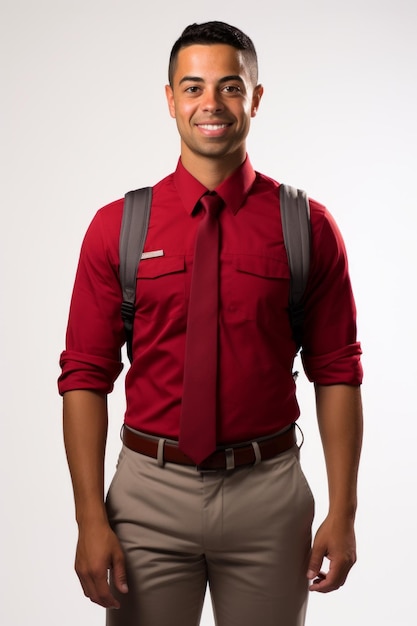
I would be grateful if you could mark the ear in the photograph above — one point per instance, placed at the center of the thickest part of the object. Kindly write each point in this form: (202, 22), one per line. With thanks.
(170, 99)
(256, 98)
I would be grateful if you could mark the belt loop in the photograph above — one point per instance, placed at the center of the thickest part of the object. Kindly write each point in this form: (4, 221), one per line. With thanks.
(257, 452)
(230, 458)
(160, 455)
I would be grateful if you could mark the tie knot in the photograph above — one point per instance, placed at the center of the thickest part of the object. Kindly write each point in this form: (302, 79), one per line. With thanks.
(212, 203)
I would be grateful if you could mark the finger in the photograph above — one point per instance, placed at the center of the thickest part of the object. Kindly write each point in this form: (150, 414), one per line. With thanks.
(332, 580)
(118, 575)
(102, 595)
(315, 563)
(97, 589)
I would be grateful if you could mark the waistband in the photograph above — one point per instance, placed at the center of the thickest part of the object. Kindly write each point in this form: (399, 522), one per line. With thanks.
(227, 458)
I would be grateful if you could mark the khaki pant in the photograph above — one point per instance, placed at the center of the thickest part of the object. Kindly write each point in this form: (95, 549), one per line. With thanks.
(246, 533)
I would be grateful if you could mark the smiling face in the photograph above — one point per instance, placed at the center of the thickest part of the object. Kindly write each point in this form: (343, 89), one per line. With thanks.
(212, 99)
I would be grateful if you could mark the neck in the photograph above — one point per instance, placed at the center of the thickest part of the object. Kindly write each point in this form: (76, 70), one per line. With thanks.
(211, 172)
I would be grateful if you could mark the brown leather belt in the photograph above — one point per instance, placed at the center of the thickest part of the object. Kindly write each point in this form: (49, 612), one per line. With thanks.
(227, 458)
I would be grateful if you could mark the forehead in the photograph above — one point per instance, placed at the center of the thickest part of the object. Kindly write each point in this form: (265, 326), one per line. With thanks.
(210, 62)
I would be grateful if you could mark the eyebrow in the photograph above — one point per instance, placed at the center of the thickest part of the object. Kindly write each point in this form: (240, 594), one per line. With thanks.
(198, 79)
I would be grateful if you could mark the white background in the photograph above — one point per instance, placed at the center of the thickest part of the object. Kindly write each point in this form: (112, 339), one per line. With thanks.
(83, 119)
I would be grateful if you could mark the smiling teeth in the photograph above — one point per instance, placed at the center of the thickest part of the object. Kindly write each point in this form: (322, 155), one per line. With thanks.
(212, 126)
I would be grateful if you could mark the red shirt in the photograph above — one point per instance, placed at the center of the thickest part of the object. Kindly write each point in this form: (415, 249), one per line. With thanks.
(256, 391)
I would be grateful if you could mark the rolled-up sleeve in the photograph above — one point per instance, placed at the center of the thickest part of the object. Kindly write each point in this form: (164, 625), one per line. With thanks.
(331, 352)
(341, 366)
(92, 355)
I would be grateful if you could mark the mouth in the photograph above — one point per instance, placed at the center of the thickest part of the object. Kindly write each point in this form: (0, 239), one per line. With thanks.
(213, 130)
(212, 127)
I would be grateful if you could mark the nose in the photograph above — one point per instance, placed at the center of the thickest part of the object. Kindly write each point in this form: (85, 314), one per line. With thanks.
(212, 102)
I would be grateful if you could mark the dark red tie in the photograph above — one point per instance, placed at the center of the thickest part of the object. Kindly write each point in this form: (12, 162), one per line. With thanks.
(199, 407)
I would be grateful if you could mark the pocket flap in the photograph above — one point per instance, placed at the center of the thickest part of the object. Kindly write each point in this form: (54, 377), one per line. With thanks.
(160, 266)
(267, 267)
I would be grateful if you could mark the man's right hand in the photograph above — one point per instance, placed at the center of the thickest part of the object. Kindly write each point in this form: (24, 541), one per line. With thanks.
(98, 550)
(98, 553)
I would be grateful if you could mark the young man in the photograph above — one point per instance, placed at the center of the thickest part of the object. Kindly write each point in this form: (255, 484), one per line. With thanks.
(223, 501)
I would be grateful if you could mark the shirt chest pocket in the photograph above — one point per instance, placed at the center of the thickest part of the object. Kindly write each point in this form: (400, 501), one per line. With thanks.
(258, 287)
(160, 287)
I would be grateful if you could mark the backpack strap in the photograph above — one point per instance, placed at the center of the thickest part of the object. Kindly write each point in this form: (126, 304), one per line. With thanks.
(295, 217)
(135, 220)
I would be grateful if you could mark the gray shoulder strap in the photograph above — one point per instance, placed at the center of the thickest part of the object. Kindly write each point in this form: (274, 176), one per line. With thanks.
(135, 220)
(295, 217)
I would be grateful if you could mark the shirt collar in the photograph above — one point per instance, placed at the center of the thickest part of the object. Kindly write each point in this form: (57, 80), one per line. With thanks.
(233, 190)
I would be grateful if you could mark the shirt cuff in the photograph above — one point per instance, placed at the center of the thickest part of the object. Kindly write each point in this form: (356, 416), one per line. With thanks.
(85, 371)
(339, 367)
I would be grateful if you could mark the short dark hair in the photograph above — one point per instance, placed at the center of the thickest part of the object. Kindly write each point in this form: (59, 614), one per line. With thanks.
(211, 33)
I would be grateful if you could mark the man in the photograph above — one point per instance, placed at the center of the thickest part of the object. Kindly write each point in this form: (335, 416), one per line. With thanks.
(179, 514)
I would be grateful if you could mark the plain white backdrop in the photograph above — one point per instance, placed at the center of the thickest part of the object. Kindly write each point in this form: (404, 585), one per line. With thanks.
(83, 120)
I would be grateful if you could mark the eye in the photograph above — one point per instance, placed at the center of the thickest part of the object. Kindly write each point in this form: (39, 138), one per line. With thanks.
(232, 89)
(192, 89)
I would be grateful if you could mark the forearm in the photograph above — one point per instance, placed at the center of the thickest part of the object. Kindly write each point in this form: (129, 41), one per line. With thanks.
(339, 413)
(85, 433)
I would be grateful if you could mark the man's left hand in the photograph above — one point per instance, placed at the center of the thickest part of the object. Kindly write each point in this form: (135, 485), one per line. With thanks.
(334, 540)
